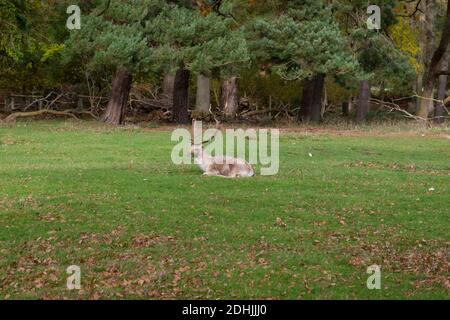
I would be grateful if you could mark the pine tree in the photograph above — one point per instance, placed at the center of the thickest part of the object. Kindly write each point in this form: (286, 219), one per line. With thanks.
(301, 41)
(381, 61)
(114, 43)
(198, 43)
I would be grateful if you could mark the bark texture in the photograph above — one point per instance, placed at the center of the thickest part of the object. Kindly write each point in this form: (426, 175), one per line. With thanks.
(203, 98)
(118, 101)
(363, 101)
(167, 88)
(311, 108)
(442, 86)
(432, 68)
(180, 112)
(229, 97)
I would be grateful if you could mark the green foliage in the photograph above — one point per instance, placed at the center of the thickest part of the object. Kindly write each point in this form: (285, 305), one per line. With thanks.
(295, 39)
(51, 51)
(29, 54)
(380, 59)
(113, 40)
(201, 43)
(153, 36)
(298, 47)
(13, 28)
(385, 62)
(406, 39)
(265, 87)
(353, 13)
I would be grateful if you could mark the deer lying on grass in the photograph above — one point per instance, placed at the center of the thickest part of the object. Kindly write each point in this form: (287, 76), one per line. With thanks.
(220, 166)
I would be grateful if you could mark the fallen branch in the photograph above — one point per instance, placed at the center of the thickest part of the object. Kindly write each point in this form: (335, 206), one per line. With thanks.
(37, 100)
(89, 113)
(12, 117)
(151, 104)
(396, 107)
(427, 98)
(256, 112)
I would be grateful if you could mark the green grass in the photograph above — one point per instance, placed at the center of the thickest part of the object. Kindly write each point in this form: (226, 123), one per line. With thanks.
(111, 201)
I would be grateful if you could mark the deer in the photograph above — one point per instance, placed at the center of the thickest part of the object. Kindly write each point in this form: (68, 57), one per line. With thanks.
(219, 166)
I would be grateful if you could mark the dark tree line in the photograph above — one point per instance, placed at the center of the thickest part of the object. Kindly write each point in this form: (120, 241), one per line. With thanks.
(181, 45)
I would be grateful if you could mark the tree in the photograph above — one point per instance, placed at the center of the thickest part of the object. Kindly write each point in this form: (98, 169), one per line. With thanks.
(442, 85)
(223, 51)
(13, 26)
(229, 97)
(301, 41)
(181, 96)
(118, 101)
(432, 68)
(29, 44)
(202, 43)
(229, 60)
(311, 101)
(379, 58)
(168, 84)
(114, 43)
(203, 98)
(363, 101)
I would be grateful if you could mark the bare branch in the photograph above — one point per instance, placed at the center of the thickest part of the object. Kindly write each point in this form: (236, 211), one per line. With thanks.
(12, 117)
(395, 107)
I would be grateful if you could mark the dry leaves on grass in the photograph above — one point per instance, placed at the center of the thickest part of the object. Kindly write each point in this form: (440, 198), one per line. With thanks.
(144, 241)
(105, 238)
(393, 166)
(430, 261)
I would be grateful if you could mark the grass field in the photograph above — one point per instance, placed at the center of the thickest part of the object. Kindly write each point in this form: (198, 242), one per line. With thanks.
(110, 201)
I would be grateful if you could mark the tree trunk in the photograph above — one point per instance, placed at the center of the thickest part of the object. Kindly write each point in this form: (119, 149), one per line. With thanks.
(167, 88)
(426, 102)
(5, 102)
(168, 83)
(382, 95)
(324, 103)
(311, 109)
(229, 97)
(11, 105)
(439, 108)
(180, 112)
(118, 101)
(305, 109)
(345, 109)
(426, 44)
(316, 106)
(203, 99)
(418, 89)
(442, 85)
(363, 101)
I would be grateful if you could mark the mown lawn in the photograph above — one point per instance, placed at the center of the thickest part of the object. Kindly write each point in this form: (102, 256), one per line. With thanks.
(111, 201)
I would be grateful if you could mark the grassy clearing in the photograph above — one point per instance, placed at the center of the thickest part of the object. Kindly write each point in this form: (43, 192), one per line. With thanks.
(111, 201)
